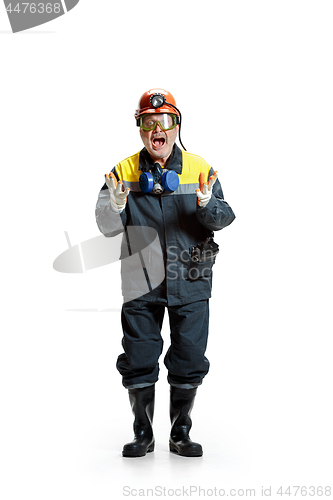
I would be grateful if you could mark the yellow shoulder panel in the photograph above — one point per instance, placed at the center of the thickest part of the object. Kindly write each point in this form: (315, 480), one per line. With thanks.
(128, 169)
(192, 166)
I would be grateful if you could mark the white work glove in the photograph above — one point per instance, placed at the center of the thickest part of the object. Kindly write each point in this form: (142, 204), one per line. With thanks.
(118, 197)
(205, 190)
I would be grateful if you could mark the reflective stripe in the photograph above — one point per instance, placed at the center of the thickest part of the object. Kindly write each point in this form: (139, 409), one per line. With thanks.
(134, 186)
(186, 188)
(182, 188)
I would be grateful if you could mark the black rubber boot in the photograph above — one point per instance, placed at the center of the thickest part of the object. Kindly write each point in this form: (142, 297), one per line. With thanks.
(181, 404)
(142, 404)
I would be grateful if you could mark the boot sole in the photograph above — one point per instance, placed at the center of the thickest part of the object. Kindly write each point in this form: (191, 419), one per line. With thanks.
(135, 454)
(195, 453)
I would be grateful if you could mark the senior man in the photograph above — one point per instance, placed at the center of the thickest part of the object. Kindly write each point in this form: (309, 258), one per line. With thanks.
(159, 188)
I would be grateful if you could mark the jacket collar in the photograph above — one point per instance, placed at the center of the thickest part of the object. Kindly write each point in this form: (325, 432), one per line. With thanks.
(174, 162)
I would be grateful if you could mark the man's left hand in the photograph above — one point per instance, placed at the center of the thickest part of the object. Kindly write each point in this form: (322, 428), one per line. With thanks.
(206, 193)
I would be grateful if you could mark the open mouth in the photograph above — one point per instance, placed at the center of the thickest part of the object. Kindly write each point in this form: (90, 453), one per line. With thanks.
(158, 142)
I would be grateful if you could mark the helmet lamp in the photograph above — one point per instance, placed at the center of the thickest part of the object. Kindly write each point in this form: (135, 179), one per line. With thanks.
(157, 100)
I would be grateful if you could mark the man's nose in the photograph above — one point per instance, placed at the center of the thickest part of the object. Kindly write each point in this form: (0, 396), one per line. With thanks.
(158, 128)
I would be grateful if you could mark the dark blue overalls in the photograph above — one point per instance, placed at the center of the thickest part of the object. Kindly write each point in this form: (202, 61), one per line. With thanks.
(179, 223)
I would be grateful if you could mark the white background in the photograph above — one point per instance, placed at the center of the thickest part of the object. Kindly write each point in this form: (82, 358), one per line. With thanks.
(254, 81)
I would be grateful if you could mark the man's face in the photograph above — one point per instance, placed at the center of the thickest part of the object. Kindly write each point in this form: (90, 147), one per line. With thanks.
(159, 142)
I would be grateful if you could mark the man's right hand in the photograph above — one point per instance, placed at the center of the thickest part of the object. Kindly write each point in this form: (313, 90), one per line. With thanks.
(118, 196)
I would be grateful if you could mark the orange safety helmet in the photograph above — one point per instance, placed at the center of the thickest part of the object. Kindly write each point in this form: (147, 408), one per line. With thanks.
(145, 106)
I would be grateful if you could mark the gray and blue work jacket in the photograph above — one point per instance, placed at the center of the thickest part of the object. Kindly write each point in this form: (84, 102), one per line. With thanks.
(160, 229)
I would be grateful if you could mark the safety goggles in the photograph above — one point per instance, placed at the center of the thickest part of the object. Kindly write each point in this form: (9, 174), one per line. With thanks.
(166, 121)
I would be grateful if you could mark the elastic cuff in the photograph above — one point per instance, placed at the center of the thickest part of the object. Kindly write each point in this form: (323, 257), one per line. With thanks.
(138, 386)
(115, 207)
(209, 205)
(186, 386)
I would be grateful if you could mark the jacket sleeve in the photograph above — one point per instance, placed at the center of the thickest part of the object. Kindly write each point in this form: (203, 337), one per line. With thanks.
(217, 214)
(109, 222)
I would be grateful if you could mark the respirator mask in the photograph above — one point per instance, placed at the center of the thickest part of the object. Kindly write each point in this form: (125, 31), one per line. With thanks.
(158, 180)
